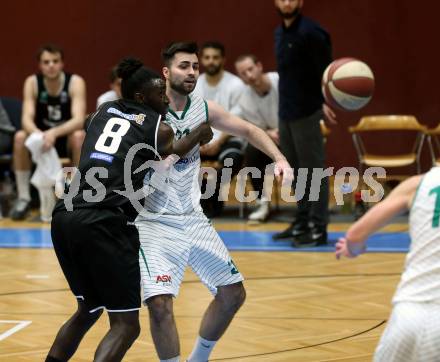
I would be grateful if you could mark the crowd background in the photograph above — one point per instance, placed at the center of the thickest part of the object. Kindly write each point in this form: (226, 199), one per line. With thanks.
(397, 38)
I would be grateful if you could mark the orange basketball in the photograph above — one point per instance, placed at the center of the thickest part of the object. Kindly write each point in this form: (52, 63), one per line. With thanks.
(348, 84)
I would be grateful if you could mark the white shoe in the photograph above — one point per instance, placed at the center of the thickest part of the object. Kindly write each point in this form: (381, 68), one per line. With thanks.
(261, 214)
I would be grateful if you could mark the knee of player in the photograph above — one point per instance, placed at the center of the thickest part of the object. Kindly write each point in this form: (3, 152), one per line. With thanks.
(20, 138)
(77, 139)
(133, 330)
(85, 317)
(233, 296)
(126, 325)
(241, 295)
(160, 308)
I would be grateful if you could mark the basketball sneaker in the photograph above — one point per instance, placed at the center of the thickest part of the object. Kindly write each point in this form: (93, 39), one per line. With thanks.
(261, 213)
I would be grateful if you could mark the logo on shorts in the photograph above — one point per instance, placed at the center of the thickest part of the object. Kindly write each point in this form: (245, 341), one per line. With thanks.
(164, 279)
(233, 267)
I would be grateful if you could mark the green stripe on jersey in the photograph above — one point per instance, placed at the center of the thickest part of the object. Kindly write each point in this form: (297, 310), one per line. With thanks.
(206, 110)
(145, 261)
(187, 105)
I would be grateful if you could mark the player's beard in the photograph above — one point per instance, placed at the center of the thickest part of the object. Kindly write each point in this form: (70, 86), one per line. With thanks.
(181, 87)
(213, 69)
(291, 15)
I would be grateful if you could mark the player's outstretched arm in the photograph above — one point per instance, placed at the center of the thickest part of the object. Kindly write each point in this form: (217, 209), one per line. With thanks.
(397, 201)
(228, 123)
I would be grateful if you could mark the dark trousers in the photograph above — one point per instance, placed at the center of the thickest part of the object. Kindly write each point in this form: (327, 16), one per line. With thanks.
(256, 158)
(232, 149)
(302, 143)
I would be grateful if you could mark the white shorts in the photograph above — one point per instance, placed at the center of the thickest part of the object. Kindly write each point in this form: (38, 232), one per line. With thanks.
(171, 242)
(412, 334)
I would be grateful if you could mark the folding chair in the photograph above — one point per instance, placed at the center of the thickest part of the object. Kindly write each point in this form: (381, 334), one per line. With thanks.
(391, 123)
(433, 136)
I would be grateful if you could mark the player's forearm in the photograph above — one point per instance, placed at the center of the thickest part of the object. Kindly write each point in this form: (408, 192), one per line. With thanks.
(360, 230)
(185, 144)
(69, 126)
(260, 140)
(28, 125)
(358, 233)
(372, 221)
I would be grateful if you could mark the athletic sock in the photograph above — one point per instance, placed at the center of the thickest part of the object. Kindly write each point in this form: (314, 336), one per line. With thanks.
(174, 359)
(23, 186)
(47, 203)
(201, 351)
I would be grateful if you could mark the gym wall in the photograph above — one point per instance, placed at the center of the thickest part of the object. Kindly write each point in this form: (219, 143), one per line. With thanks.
(395, 37)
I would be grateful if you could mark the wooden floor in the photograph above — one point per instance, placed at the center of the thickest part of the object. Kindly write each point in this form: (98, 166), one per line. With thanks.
(300, 307)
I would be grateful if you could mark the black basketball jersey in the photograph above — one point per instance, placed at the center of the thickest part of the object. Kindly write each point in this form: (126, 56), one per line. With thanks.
(112, 132)
(52, 111)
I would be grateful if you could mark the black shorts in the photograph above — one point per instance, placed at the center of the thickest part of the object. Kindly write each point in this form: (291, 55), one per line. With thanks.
(99, 255)
(62, 147)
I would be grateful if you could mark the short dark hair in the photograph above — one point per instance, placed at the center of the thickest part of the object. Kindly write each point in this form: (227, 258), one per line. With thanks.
(214, 45)
(245, 56)
(178, 47)
(51, 48)
(134, 76)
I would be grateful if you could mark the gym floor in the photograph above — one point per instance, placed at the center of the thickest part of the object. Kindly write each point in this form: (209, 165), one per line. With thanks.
(302, 304)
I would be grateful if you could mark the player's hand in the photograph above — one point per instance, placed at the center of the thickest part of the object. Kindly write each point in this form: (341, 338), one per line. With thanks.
(329, 114)
(166, 164)
(204, 133)
(282, 168)
(342, 248)
(49, 138)
(274, 135)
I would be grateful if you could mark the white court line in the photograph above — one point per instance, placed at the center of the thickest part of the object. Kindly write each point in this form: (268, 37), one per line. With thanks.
(37, 276)
(9, 332)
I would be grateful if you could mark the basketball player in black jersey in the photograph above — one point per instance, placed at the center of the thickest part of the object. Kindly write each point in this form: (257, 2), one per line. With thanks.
(96, 243)
(54, 102)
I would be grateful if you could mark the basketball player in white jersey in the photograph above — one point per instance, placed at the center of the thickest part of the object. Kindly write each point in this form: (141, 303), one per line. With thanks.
(413, 330)
(173, 230)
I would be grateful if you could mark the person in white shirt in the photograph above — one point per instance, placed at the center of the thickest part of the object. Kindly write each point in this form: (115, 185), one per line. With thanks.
(259, 105)
(224, 88)
(413, 331)
(115, 89)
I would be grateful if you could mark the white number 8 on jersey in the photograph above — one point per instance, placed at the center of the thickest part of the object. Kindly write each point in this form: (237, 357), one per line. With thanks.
(115, 136)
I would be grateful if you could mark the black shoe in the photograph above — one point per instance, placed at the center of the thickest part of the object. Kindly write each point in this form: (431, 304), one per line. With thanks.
(20, 209)
(292, 231)
(315, 237)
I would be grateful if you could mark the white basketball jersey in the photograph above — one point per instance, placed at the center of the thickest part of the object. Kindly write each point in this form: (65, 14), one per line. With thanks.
(179, 194)
(421, 277)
